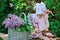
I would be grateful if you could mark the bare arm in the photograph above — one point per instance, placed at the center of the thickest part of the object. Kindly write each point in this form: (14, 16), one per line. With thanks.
(48, 11)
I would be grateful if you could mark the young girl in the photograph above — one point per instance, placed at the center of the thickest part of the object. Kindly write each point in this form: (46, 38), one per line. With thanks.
(41, 22)
(40, 9)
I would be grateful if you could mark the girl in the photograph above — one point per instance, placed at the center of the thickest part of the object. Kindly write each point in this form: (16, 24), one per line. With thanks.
(40, 9)
(41, 22)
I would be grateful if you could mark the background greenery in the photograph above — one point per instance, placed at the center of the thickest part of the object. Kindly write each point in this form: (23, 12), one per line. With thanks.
(54, 6)
(3, 13)
(25, 6)
(1, 38)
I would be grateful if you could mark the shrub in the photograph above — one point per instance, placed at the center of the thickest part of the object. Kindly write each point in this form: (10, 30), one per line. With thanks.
(54, 6)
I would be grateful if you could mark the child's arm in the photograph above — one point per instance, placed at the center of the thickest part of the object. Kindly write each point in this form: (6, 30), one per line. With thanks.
(48, 11)
(45, 9)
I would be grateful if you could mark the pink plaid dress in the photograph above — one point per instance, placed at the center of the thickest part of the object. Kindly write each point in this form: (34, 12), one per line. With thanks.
(40, 24)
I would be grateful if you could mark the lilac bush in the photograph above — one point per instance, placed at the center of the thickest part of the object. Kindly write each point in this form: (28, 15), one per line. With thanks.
(13, 21)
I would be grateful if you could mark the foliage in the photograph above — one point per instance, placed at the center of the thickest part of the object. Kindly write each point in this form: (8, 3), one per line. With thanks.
(22, 6)
(3, 13)
(55, 27)
(54, 6)
(24, 28)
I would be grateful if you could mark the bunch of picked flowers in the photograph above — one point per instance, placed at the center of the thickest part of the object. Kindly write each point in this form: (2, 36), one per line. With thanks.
(15, 22)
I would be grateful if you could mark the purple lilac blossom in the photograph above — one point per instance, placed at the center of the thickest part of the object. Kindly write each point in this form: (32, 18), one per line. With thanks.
(10, 15)
(13, 21)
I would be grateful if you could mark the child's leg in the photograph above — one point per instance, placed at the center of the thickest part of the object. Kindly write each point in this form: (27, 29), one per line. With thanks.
(46, 38)
(43, 37)
(52, 38)
(35, 33)
(48, 35)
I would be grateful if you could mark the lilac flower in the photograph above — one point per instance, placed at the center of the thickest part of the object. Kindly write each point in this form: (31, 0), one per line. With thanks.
(10, 15)
(13, 21)
(6, 21)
